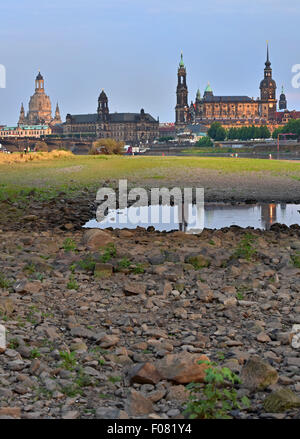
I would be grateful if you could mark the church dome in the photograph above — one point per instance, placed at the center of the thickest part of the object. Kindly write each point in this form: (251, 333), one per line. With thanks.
(208, 88)
(268, 82)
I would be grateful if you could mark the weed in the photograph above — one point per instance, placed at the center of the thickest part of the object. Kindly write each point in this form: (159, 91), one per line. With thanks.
(114, 379)
(68, 359)
(87, 264)
(35, 353)
(110, 252)
(124, 263)
(72, 283)
(218, 396)
(245, 249)
(69, 245)
(239, 296)
(296, 259)
(138, 269)
(4, 283)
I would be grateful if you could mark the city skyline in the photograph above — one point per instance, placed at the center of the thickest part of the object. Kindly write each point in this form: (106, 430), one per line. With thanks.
(78, 58)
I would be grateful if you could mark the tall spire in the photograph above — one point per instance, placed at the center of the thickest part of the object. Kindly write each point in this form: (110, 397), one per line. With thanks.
(268, 60)
(181, 64)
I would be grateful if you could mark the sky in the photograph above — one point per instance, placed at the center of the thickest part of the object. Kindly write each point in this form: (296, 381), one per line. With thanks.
(131, 49)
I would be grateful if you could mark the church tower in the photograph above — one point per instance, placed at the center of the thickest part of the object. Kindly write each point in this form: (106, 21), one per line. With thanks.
(103, 111)
(57, 118)
(22, 119)
(282, 101)
(182, 108)
(268, 92)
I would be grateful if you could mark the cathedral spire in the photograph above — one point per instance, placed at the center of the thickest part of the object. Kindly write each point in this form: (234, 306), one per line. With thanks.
(268, 64)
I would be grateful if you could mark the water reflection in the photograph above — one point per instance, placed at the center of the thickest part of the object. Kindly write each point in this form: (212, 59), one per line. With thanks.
(193, 218)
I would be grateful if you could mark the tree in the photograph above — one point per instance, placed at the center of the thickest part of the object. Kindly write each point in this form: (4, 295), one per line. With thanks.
(107, 146)
(212, 131)
(264, 132)
(205, 141)
(220, 134)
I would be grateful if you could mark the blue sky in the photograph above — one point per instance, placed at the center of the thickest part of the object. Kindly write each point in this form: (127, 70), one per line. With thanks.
(131, 48)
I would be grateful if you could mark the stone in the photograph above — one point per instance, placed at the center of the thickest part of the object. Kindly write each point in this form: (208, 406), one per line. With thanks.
(134, 288)
(257, 374)
(71, 414)
(144, 374)
(26, 287)
(295, 337)
(94, 239)
(177, 393)
(281, 400)
(14, 412)
(183, 368)
(107, 413)
(138, 405)
(103, 271)
(263, 337)
(3, 345)
(197, 261)
(107, 341)
(7, 306)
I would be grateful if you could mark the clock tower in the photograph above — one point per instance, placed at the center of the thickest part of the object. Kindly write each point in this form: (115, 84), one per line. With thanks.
(267, 87)
(182, 108)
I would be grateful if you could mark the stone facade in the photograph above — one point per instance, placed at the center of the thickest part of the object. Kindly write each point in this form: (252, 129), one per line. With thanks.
(132, 128)
(40, 111)
(232, 109)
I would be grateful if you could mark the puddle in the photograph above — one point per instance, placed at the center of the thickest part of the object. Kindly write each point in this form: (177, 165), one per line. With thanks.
(211, 216)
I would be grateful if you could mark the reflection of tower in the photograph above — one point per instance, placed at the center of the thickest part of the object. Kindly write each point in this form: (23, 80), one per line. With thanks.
(268, 215)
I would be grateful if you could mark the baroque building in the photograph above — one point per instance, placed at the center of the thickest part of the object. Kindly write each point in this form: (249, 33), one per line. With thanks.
(227, 109)
(126, 127)
(40, 112)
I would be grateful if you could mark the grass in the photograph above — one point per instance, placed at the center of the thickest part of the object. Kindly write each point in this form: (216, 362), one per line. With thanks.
(47, 175)
(4, 283)
(245, 249)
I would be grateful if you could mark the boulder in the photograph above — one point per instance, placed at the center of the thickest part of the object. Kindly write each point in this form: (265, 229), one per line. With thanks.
(145, 373)
(134, 288)
(281, 400)
(94, 239)
(138, 405)
(257, 374)
(183, 368)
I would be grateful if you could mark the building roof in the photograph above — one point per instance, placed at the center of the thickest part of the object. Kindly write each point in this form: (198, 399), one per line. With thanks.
(292, 114)
(25, 127)
(227, 99)
(113, 118)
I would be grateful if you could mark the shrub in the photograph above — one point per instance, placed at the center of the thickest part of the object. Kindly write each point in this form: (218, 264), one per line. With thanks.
(107, 146)
(218, 396)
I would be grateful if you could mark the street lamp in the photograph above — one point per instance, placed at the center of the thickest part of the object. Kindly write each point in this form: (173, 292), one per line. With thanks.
(282, 134)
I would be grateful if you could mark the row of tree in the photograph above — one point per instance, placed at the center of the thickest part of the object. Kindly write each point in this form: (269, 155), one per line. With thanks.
(219, 133)
(292, 127)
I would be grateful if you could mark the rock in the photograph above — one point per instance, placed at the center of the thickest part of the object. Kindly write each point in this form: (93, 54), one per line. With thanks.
(2, 339)
(144, 374)
(197, 261)
(94, 239)
(263, 337)
(79, 347)
(71, 414)
(26, 287)
(183, 368)
(108, 341)
(7, 306)
(295, 336)
(14, 412)
(281, 400)
(138, 405)
(177, 393)
(257, 374)
(107, 413)
(134, 288)
(103, 271)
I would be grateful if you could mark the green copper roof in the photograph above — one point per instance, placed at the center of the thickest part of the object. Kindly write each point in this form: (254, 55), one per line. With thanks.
(181, 64)
(208, 87)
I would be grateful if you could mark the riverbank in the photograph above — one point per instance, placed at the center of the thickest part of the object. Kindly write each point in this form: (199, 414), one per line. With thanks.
(99, 324)
(61, 191)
